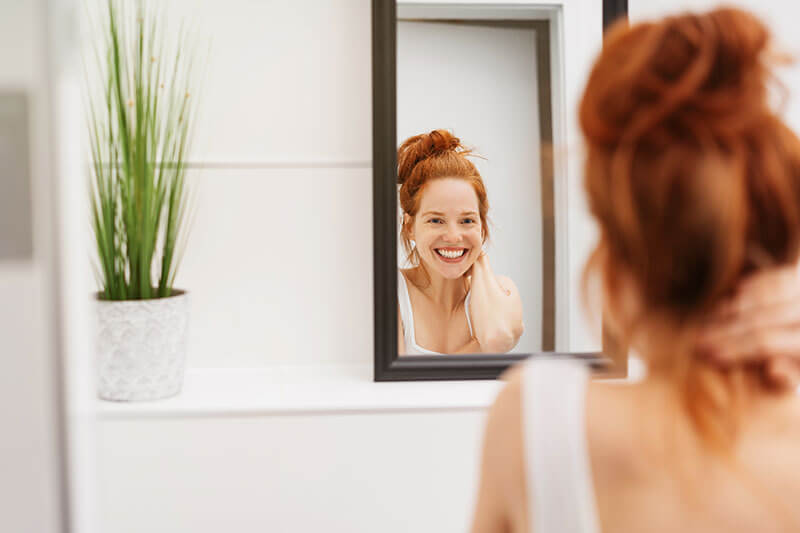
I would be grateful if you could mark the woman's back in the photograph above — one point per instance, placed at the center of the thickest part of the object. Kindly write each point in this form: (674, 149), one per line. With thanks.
(647, 469)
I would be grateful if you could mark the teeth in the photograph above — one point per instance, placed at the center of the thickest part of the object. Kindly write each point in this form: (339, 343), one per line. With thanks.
(451, 254)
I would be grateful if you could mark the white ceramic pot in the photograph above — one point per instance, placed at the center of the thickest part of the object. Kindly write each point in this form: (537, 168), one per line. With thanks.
(141, 347)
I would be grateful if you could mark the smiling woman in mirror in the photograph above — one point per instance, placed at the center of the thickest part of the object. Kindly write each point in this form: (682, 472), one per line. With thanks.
(449, 300)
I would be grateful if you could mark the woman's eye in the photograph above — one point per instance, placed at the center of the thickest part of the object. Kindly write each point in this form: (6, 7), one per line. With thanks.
(468, 221)
(435, 221)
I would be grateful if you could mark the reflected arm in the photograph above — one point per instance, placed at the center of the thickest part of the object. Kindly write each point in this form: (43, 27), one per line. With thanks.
(495, 309)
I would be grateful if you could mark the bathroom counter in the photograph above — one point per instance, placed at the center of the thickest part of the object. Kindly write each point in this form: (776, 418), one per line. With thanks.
(303, 390)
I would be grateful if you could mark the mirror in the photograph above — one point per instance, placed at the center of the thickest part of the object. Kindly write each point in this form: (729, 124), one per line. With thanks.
(479, 273)
(487, 85)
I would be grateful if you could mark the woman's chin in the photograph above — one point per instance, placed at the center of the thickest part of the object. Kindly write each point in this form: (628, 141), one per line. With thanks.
(452, 275)
(444, 271)
(454, 271)
(449, 271)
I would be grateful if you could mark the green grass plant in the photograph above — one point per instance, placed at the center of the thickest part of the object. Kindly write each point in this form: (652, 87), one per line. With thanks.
(140, 115)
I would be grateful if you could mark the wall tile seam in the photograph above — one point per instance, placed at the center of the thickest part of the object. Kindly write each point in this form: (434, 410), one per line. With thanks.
(277, 165)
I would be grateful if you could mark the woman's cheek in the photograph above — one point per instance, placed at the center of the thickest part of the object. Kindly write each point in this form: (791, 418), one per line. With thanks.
(477, 239)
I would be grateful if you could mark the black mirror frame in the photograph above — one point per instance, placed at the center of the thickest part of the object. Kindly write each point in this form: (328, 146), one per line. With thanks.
(388, 366)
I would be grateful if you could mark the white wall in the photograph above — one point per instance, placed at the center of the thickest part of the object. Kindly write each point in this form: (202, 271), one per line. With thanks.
(480, 82)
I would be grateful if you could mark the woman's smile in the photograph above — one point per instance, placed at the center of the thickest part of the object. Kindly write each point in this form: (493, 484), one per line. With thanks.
(451, 254)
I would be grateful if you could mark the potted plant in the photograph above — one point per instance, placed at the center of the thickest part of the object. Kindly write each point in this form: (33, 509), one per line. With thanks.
(140, 114)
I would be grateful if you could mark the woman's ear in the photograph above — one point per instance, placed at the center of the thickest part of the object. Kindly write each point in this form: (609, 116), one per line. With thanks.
(408, 225)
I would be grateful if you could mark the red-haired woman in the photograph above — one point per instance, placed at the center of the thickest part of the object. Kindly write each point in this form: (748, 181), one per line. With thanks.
(449, 301)
(695, 184)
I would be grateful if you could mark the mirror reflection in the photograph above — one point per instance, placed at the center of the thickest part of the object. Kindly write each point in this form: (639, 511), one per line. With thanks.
(475, 196)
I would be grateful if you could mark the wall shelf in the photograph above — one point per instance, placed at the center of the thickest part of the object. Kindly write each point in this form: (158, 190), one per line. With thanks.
(302, 389)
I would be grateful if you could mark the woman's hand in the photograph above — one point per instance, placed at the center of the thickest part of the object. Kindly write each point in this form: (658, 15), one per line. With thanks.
(495, 308)
(760, 325)
(482, 265)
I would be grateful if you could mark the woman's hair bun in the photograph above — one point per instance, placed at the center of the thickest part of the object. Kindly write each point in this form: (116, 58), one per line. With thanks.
(742, 39)
(697, 71)
(420, 147)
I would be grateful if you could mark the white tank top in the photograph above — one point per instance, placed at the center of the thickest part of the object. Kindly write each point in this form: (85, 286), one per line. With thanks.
(407, 317)
(559, 477)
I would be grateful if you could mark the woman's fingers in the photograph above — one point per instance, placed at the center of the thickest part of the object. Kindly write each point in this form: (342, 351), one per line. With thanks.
(761, 345)
(760, 290)
(760, 324)
(766, 301)
(783, 314)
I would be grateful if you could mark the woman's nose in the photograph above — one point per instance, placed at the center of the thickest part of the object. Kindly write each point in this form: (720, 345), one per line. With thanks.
(452, 234)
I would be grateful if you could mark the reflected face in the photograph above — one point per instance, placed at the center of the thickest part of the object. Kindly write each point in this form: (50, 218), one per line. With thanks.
(447, 227)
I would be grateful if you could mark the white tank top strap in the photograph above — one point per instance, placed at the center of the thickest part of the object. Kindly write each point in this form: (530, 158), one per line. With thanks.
(559, 480)
(407, 317)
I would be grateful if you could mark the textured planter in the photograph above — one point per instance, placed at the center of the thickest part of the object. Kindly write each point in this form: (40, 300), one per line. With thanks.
(141, 347)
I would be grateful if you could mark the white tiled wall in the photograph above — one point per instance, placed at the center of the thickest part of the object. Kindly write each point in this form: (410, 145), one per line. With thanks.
(287, 80)
(280, 266)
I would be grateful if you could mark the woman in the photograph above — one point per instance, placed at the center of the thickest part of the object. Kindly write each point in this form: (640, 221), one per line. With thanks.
(695, 184)
(450, 301)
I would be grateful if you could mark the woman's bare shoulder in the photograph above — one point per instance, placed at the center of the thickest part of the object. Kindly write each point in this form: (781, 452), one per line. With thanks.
(610, 410)
(504, 442)
(603, 399)
(509, 397)
(504, 423)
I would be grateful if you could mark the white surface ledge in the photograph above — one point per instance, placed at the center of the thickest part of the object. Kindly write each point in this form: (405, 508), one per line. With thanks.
(290, 390)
